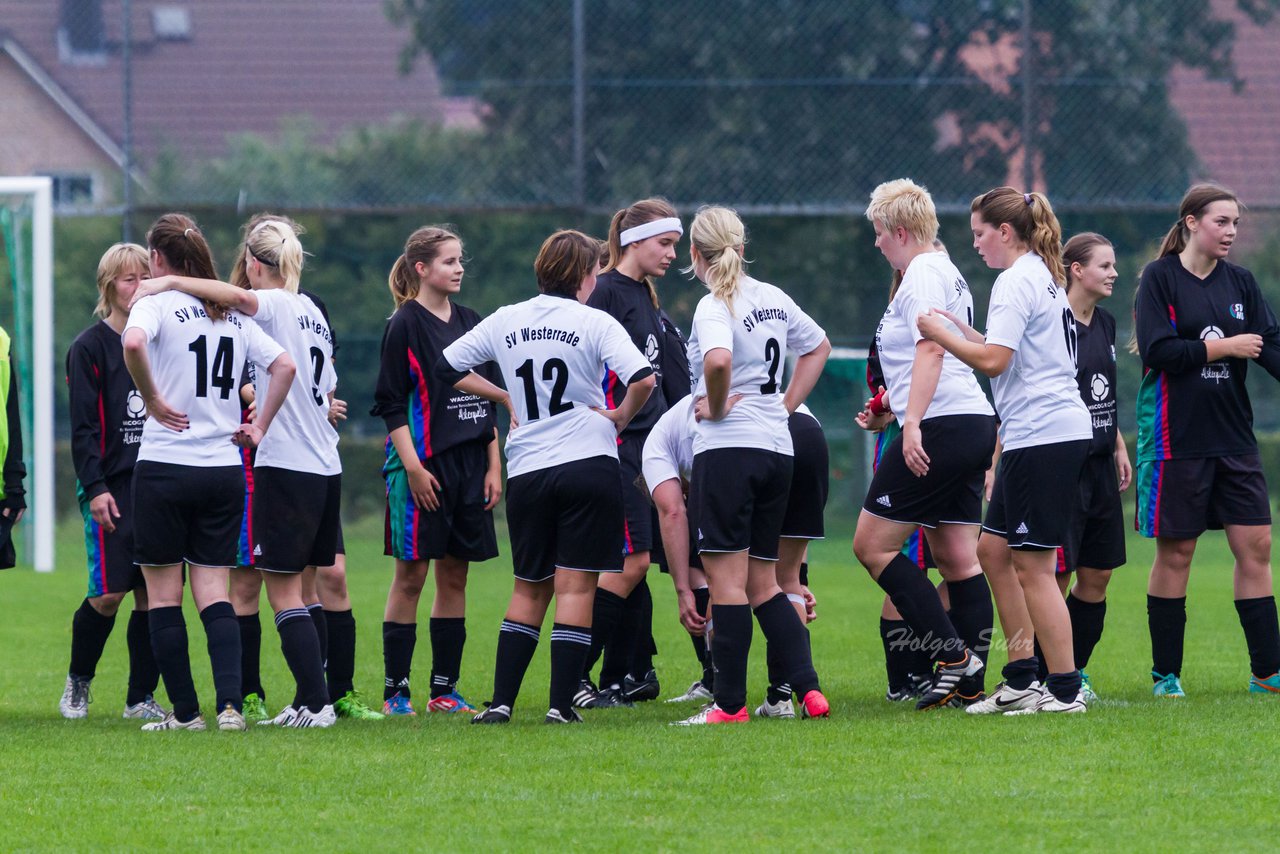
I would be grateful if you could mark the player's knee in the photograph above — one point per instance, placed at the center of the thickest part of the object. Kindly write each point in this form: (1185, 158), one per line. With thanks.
(107, 604)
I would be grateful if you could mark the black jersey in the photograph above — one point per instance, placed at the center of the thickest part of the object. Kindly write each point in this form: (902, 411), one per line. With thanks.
(875, 374)
(409, 393)
(107, 413)
(628, 302)
(1096, 378)
(1188, 407)
(676, 381)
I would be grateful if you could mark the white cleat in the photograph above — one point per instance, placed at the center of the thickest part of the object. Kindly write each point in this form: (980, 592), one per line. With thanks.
(1006, 699)
(697, 691)
(307, 719)
(1050, 703)
(147, 710)
(286, 718)
(169, 722)
(230, 720)
(75, 699)
(780, 709)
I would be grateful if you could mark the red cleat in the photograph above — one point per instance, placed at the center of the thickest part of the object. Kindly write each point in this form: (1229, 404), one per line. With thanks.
(814, 705)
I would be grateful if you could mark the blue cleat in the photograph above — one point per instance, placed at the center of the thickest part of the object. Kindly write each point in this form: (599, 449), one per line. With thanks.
(1167, 685)
(1086, 690)
(398, 706)
(1270, 685)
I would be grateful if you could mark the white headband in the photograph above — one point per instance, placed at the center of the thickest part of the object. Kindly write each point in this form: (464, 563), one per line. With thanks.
(649, 229)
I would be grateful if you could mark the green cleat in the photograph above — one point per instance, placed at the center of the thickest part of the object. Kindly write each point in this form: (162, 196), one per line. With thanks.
(352, 705)
(1167, 685)
(255, 710)
(1270, 685)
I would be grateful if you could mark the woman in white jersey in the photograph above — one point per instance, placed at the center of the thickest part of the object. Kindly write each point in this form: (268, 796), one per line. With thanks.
(564, 493)
(743, 458)
(297, 472)
(1030, 354)
(184, 356)
(930, 476)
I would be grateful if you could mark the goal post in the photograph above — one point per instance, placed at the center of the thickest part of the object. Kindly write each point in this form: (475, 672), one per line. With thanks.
(39, 190)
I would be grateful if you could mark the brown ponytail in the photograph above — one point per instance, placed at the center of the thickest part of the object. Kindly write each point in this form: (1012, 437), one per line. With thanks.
(422, 246)
(178, 240)
(1193, 204)
(1032, 219)
(645, 210)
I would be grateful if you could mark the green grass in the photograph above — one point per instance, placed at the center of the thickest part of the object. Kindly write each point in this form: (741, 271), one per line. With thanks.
(1132, 773)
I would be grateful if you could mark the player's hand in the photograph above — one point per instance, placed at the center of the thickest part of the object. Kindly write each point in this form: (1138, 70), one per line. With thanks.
(424, 486)
(103, 510)
(913, 449)
(1124, 470)
(337, 411)
(878, 403)
(511, 411)
(988, 483)
(17, 514)
(933, 324)
(810, 605)
(248, 436)
(702, 409)
(693, 623)
(167, 416)
(149, 287)
(614, 415)
(871, 422)
(492, 487)
(1247, 346)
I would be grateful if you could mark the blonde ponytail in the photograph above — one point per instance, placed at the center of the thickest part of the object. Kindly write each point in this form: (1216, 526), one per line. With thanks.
(719, 236)
(402, 283)
(275, 244)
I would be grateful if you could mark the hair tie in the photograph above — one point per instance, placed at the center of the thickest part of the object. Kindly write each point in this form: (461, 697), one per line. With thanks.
(1026, 197)
(187, 232)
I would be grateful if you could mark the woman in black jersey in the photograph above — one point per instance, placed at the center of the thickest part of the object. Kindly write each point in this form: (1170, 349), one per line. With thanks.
(642, 244)
(1199, 320)
(106, 428)
(442, 469)
(1095, 545)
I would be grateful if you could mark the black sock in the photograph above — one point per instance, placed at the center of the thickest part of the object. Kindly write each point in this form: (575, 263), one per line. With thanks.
(169, 644)
(89, 633)
(619, 652)
(784, 632)
(972, 613)
(646, 648)
(606, 616)
(1021, 672)
(918, 603)
(1261, 634)
(708, 663)
(144, 674)
(779, 687)
(398, 641)
(251, 655)
(701, 601)
(448, 636)
(517, 643)
(569, 645)
(1042, 668)
(340, 664)
(729, 649)
(1167, 622)
(301, 650)
(322, 629)
(222, 637)
(1087, 619)
(804, 573)
(1064, 686)
(899, 657)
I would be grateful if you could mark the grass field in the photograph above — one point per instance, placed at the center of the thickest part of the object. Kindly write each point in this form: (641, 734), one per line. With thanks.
(1133, 773)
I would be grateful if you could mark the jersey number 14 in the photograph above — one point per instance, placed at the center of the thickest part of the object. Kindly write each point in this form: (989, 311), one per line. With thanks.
(222, 377)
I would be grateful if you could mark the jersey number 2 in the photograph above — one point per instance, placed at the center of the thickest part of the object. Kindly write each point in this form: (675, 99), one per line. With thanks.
(223, 377)
(554, 371)
(772, 355)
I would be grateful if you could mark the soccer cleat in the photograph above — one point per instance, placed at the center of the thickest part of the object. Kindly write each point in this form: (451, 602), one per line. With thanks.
(450, 704)
(917, 684)
(1167, 685)
(713, 714)
(641, 690)
(946, 679)
(587, 692)
(780, 709)
(814, 705)
(196, 724)
(606, 698)
(230, 720)
(1270, 685)
(285, 718)
(352, 705)
(1086, 689)
(307, 719)
(968, 691)
(493, 715)
(398, 706)
(75, 698)
(255, 709)
(555, 717)
(1050, 703)
(147, 710)
(697, 691)
(1007, 699)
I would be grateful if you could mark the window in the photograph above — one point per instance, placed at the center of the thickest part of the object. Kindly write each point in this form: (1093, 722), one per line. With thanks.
(72, 190)
(82, 36)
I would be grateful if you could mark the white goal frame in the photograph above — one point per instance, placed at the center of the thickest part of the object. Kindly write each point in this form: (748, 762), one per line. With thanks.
(40, 189)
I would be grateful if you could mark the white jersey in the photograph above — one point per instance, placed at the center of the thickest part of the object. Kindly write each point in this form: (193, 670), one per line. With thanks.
(551, 351)
(301, 437)
(765, 323)
(1036, 397)
(931, 282)
(195, 363)
(668, 451)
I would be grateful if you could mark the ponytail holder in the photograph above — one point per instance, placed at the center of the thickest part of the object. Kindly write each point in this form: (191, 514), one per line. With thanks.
(1026, 197)
(187, 232)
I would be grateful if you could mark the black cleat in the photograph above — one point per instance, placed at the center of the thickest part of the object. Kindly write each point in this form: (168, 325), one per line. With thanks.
(946, 679)
(641, 690)
(493, 715)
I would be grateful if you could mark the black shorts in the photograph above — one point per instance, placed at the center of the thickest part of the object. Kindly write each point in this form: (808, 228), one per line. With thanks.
(188, 513)
(1097, 531)
(658, 551)
(297, 519)
(568, 516)
(639, 527)
(738, 497)
(1181, 499)
(959, 449)
(810, 479)
(110, 553)
(1033, 501)
(460, 527)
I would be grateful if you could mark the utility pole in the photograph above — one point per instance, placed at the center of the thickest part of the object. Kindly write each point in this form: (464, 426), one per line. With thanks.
(126, 56)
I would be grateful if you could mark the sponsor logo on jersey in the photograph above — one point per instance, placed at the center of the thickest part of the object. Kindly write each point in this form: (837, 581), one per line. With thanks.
(651, 349)
(134, 405)
(1099, 387)
(1237, 311)
(1211, 333)
(759, 315)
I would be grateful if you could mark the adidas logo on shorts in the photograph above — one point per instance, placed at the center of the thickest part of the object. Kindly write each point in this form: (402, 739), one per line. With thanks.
(884, 501)
(257, 551)
(1022, 529)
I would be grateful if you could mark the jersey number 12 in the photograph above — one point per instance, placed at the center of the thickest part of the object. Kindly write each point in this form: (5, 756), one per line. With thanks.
(554, 371)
